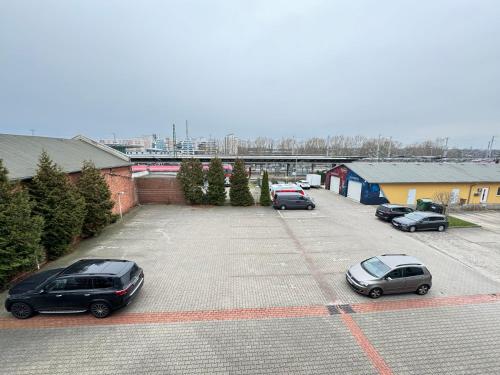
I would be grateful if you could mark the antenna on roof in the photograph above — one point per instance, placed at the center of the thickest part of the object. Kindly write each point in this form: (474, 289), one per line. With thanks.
(187, 132)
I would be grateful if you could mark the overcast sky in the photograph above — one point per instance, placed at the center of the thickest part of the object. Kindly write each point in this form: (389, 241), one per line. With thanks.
(407, 69)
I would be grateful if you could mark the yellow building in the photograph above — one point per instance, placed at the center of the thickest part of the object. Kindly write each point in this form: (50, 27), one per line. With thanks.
(404, 183)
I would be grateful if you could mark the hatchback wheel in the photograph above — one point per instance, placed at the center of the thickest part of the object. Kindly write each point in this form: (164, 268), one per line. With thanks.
(375, 293)
(423, 289)
(412, 229)
(282, 207)
(441, 228)
(21, 310)
(100, 309)
(309, 207)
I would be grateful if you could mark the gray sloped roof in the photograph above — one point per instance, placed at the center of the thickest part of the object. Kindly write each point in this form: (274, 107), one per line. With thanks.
(387, 172)
(20, 154)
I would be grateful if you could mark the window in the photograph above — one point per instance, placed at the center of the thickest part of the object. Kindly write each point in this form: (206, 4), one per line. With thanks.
(103, 282)
(498, 191)
(129, 276)
(396, 274)
(375, 267)
(78, 283)
(413, 271)
(57, 285)
(436, 218)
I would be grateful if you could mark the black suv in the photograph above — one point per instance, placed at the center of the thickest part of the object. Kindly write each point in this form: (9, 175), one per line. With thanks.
(96, 285)
(390, 211)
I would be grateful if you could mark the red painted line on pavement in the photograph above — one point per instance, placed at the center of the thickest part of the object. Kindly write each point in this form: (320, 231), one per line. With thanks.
(41, 321)
(165, 317)
(424, 303)
(365, 344)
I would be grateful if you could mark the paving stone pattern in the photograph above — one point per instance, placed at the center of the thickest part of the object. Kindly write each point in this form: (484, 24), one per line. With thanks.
(245, 290)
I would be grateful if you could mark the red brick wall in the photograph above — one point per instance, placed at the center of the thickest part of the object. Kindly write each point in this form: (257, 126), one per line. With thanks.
(166, 190)
(119, 180)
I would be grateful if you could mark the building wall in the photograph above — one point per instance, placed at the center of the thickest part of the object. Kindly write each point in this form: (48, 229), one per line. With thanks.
(155, 189)
(398, 193)
(119, 180)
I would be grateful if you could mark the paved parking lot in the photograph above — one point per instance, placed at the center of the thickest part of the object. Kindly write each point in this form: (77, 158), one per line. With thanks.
(253, 290)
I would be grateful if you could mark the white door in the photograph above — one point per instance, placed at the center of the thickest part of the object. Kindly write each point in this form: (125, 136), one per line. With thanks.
(484, 195)
(412, 193)
(455, 196)
(335, 184)
(354, 190)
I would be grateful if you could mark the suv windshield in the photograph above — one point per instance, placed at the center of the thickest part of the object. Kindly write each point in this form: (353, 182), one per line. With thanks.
(375, 267)
(414, 216)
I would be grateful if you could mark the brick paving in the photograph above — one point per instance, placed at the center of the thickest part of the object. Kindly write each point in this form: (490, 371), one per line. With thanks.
(252, 290)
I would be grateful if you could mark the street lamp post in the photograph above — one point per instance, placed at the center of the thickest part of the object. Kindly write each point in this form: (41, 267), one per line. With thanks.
(120, 193)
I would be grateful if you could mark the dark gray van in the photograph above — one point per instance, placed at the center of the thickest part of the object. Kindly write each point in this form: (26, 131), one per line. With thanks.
(288, 201)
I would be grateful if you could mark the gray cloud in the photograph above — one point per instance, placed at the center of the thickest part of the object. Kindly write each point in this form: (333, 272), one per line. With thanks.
(407, 69)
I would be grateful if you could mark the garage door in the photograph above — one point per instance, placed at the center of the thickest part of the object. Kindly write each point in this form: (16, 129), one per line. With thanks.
(335, 184)
(354, 190)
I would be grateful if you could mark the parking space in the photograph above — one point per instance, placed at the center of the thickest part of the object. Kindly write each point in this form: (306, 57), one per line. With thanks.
(254, 290)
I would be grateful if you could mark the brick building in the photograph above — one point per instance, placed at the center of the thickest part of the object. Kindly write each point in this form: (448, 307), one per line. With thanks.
(20, 156)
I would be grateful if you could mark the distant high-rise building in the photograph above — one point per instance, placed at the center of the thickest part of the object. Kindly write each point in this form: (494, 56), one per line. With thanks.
(231, 143)
(206, 147)
(186, 147)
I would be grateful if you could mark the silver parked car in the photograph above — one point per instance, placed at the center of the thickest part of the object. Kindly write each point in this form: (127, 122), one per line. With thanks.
(389, 273)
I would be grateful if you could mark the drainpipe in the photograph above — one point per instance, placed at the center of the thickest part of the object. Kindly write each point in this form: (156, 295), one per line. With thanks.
(470, 192)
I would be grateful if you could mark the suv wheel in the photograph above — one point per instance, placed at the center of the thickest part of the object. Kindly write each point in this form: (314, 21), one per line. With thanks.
(309, 207)
(441, 228)
(423, 289)
(100, 309)
(21, 310)
(375, 293)
(282, 207)
(412, 229)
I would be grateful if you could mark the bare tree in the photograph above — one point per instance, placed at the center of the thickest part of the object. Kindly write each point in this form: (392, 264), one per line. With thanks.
(445, 198)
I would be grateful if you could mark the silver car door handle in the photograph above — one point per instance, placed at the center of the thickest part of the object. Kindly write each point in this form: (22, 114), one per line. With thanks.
(86, 295)
(58, 295)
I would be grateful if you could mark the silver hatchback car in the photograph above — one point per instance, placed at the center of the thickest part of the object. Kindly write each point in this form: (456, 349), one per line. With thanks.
(389, 273)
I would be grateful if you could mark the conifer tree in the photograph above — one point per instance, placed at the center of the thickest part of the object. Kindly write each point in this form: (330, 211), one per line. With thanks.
(216, 193)
(191, 178)
(20, 232)
(57, 200)
(94, 189)
(240, 192)
(265, 198)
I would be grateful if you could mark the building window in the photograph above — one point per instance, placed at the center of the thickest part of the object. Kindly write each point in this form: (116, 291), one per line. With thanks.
(498, 192)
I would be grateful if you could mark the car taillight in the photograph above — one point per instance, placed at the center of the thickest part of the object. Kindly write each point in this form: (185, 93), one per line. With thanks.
(121, 292)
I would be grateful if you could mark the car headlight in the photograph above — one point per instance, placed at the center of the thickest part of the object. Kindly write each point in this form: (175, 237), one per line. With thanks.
(363, 283)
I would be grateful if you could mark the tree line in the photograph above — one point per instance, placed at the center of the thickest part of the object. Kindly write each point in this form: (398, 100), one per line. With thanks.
(41, 219)
(209, 188)
(341, 145)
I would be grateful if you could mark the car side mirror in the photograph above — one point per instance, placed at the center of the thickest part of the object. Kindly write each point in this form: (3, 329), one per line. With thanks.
(388, 278)
(42, 291)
